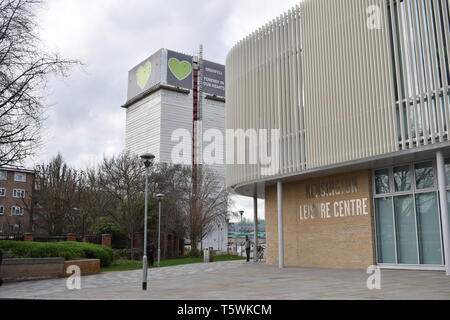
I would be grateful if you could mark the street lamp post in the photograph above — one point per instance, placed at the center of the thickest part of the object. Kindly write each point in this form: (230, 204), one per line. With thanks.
(159, 197)
(218, 237)
(148, 159)
(242, 213)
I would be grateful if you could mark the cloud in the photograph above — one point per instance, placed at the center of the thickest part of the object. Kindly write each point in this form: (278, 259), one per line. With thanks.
(110, 37)
(246, 204)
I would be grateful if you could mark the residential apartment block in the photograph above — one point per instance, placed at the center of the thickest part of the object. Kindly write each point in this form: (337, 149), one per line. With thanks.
(16, 187)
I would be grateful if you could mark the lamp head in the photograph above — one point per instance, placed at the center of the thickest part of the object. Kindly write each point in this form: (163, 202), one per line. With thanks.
(148, 159)
(160, 196)
(241, 212)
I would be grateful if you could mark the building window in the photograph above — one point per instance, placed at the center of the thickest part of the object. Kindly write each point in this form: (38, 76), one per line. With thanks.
(418, 37)
(447, 171)
(2, 192)
(428, 220)
(402, 179)
(15, 228)
(20, 177)
(3, 175)
(385, 230)
(382, 184)
(424, 175)
(408, 225)
(2, 210)
(19, 193)
(17, 211)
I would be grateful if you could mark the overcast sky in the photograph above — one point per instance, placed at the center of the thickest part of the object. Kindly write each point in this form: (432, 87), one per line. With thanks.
(85, 121)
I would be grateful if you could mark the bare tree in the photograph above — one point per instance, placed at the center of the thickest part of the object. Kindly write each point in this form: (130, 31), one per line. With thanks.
(207, 207)
(56, 200)
(24, 69)
(173, 182)
(94, 202)
(68, 200)
(120, 179)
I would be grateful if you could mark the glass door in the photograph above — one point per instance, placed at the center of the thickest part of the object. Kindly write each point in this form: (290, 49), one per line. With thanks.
(408, 224)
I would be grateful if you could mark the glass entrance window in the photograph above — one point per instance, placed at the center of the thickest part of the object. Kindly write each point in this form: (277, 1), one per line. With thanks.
(406, 230)
(407, 217)
(448, 206)
(385, 227)
(447, 174)
(447, 171)
(429, 228)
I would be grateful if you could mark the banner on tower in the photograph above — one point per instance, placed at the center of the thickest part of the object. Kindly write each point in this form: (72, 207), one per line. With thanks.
(174, 69)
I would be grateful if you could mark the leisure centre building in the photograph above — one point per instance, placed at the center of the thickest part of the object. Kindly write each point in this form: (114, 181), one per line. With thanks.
(360, 93)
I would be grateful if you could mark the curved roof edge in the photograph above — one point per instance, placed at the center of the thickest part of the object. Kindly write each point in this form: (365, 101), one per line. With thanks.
(389, 159)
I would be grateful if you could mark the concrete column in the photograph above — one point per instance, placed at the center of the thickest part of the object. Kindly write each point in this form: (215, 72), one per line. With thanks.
(442, 184)
(280, 225)
(255, 224)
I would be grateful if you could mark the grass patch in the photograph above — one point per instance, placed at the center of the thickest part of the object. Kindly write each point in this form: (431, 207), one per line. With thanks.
(126, 265)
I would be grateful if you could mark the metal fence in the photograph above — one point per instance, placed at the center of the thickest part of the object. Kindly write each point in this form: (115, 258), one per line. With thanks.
(49, 238)
(12, 237)
(95, 239)
(45, 238)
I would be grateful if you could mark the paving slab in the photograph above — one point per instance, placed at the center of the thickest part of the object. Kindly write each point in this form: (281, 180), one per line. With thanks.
(238, 280)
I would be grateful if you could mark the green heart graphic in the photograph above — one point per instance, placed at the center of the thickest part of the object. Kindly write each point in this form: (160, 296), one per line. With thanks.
(143, 74)
(180, 69)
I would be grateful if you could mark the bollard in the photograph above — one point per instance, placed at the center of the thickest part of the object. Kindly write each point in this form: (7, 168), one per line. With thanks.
(208, 255)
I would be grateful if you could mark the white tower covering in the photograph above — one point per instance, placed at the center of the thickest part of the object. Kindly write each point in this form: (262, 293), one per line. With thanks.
(160, 103)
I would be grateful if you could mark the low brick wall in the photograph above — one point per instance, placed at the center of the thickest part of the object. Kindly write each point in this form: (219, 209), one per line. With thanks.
(13, 270)
(87, 267)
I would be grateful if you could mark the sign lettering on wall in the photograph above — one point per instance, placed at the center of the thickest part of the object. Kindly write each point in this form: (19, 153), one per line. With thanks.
(333, 209)
(332, 188)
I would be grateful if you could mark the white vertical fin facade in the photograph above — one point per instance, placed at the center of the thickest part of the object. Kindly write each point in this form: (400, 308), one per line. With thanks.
(342, 80)
(264, 92)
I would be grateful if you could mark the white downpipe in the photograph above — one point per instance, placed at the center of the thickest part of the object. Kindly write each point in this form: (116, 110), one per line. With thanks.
(280, 225)
(255, 226)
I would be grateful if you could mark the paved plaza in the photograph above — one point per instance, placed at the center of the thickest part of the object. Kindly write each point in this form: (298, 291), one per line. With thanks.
(238, 280)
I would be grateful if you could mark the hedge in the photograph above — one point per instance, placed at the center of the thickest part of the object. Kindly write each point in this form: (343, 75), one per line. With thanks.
(66, 250)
